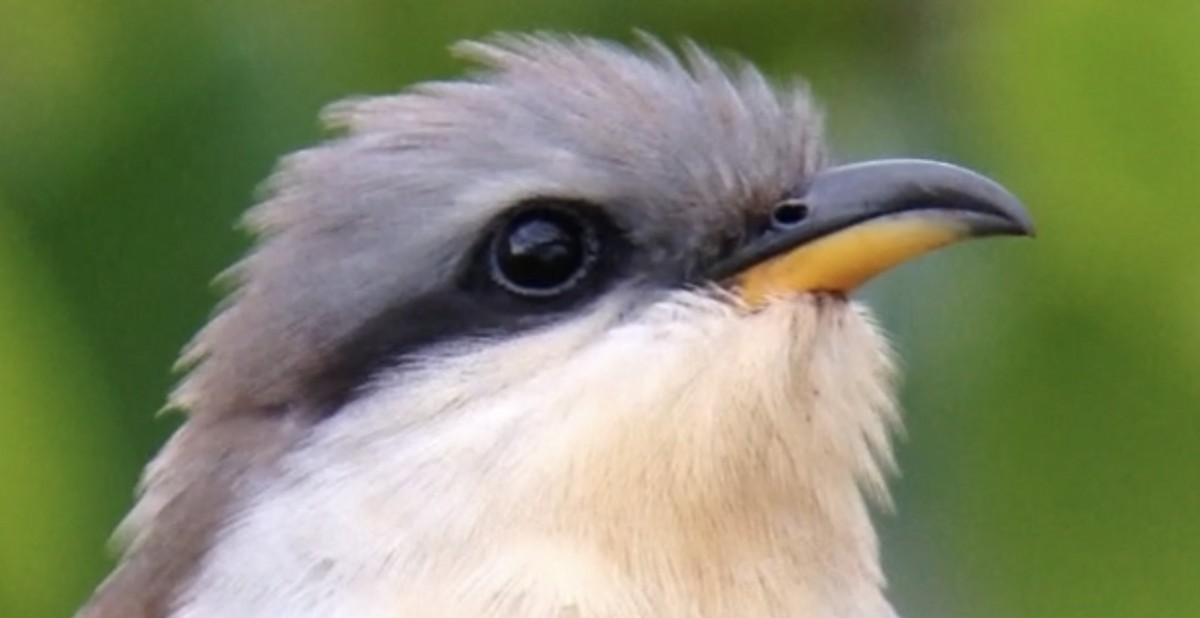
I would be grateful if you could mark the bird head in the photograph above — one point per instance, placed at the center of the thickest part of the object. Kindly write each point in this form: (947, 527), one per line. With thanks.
(572, 335)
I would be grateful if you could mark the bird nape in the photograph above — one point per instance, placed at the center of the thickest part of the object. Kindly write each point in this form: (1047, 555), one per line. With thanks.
(570, 337)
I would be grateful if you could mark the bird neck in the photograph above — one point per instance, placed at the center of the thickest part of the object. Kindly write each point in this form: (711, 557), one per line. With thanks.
(727, 481)
(733, 477)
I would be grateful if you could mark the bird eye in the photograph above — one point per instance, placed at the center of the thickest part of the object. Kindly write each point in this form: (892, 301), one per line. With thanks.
(543, 251)
(789, 213)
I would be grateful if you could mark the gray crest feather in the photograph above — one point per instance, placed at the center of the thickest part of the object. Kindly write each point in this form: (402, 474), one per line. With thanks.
(354, 224)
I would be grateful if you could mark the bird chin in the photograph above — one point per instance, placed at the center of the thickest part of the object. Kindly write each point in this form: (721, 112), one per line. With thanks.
(828, 297)
(820, 300)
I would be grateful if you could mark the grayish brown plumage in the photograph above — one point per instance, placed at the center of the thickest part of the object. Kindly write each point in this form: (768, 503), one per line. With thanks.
(374, 431)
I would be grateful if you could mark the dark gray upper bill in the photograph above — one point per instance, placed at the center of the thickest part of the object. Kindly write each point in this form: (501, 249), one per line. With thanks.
(846, 195)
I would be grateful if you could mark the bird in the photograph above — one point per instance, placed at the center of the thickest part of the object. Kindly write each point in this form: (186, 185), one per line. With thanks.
(572, 335)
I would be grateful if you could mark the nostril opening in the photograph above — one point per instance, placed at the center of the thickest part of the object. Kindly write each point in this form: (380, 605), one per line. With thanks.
(789, 213)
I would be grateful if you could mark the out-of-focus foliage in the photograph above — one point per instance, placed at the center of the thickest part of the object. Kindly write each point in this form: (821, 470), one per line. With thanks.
(1053, 460)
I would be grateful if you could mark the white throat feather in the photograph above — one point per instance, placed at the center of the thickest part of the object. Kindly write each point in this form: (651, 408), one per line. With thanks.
(695, 459)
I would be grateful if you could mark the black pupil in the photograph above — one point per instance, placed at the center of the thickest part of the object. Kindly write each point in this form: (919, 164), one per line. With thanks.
(541, 250)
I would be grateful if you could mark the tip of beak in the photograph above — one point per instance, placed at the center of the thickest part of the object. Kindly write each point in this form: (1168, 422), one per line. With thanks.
(1015, 212)
(1012, 208)
(1029, 228)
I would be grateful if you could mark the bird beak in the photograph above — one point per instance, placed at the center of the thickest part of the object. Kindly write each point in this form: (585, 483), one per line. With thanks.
(856, 221)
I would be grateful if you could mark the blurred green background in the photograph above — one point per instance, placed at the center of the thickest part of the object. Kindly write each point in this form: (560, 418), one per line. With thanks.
(1052, 465)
